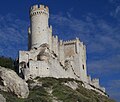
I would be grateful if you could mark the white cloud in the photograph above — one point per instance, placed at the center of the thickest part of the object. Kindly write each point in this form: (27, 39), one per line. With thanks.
(117, 10)
(114, 1)
(100, 37)
(97, 34)
(13, 34)
(106, 65)
(116, 13)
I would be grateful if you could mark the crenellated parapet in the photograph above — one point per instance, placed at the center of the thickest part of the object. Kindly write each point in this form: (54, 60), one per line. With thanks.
(69, 41)
(89, 79)
(39, 9)
(47, 56)
(74, 41)
(95, 82)
(39, 17)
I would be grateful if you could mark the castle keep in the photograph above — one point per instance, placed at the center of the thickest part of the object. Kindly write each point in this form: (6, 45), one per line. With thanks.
(47, 56)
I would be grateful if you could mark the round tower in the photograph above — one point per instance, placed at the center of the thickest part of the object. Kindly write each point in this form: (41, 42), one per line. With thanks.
(39, 15)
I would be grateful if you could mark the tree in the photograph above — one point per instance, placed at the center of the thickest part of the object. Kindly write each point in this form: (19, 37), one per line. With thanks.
(7, 62)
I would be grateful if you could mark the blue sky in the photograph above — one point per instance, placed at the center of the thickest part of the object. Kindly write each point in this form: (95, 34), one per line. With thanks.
(95, 22)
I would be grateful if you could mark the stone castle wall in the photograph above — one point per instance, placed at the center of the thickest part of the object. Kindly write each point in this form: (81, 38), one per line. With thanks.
(39, 16)
(47, 56)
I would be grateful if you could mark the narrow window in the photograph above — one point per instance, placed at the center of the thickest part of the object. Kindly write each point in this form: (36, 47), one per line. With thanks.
(83, 66)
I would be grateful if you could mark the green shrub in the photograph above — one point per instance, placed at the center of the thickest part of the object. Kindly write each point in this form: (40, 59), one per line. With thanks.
(7, 62)
(60, 92)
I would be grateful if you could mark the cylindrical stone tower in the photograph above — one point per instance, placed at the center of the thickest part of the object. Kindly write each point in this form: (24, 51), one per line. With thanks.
(39, 16)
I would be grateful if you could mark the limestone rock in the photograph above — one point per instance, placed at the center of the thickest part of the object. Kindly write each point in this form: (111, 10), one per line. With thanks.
(72, 85)
(44, 53)
(11, 82)
(2, 99)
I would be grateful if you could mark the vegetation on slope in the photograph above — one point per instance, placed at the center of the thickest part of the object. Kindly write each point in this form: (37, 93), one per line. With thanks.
(52, 89)
(7, 62)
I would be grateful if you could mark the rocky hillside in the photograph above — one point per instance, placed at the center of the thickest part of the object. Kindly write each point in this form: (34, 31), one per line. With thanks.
(46, 90)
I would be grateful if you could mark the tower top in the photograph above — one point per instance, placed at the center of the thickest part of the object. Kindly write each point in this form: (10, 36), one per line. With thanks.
(37, 9)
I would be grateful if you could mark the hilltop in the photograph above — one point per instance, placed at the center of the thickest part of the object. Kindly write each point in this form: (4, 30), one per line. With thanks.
(57, 90)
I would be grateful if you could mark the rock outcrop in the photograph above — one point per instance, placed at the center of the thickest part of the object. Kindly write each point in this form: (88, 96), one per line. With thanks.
(11, 82)
(2, 99)
(57, 90)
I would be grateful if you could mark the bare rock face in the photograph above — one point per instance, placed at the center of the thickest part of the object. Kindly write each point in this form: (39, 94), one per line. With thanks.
(2, 99)
(11, 82)
(44, 52)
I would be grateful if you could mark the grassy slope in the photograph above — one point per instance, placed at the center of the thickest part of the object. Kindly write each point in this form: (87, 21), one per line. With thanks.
(60, 92)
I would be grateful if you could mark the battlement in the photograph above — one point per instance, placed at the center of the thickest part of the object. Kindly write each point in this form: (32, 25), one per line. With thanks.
(47, 56)
(69, 41)
(95, 80)
(39, 9)
(75, 41)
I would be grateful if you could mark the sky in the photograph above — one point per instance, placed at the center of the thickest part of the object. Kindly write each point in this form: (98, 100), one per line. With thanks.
(95, 22)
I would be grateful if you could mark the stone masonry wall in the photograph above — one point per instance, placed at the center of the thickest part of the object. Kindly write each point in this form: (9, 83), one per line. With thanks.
(49, 57)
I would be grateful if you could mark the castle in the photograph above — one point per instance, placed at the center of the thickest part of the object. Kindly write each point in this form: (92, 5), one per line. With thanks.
(47, 56)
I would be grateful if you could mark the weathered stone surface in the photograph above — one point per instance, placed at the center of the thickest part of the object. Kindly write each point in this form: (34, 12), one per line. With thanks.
(72, 85)
(11, 82)
(2, 99)
(50, 57)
